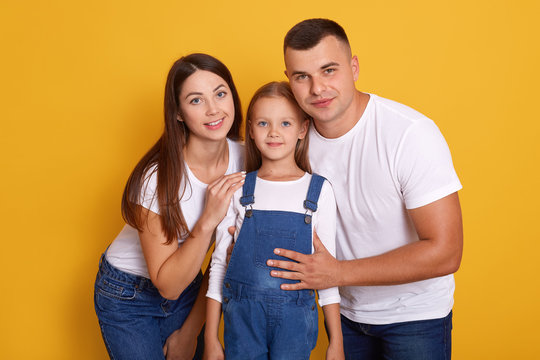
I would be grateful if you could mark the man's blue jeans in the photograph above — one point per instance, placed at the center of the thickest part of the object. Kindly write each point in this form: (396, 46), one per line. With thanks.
(413, 340)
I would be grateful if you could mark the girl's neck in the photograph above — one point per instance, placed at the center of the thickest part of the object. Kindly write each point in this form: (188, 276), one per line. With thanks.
(280, 171)
(208, 160)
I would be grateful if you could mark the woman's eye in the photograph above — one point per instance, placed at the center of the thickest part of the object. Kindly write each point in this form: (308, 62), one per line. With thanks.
(221, 94)
(195, 101)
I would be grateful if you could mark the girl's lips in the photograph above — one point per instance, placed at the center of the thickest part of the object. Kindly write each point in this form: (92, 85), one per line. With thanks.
(322, 103)
(273, 144)
(214, 125)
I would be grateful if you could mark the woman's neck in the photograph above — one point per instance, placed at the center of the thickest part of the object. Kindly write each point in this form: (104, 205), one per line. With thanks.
(208, 160)
(285, 170)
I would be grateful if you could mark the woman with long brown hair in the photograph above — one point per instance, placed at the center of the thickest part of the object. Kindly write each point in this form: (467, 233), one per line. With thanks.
(149, 279)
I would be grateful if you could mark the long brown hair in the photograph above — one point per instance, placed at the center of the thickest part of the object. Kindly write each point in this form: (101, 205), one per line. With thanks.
(166, 156)
(275, 89)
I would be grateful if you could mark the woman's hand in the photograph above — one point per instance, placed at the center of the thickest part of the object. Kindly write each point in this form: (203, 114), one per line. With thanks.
(218, 197)
(180, 345)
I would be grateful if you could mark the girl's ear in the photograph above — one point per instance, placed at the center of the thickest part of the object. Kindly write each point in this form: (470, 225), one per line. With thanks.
(303, 129)
(179, 118)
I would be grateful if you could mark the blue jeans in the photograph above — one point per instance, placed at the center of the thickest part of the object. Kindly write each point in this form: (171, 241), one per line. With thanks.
(135, 319)
(413, 340)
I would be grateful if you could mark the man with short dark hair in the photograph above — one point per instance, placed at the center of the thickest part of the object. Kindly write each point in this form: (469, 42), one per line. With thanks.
(399, 236)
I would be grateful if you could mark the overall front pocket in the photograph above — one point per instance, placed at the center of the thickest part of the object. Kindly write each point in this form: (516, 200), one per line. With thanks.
(269, 239)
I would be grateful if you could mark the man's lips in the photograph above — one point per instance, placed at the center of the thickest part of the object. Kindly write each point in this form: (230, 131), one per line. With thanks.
(322, 103)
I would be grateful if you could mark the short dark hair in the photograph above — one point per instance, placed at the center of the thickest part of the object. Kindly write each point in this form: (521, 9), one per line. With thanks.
(308, 33)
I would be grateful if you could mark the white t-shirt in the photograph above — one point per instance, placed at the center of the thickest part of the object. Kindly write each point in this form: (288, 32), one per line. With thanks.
(392, 160)
(125, 252)
(278, 196)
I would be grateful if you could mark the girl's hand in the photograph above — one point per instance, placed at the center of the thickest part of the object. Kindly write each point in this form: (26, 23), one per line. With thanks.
(335, 351)
(213, 350)
(218, 197)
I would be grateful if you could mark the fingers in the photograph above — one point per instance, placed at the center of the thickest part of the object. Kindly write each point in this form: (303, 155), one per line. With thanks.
(293, 255)
(232, 230)
(317, 243)
(283, 264)
(227, 179)
(296, 286)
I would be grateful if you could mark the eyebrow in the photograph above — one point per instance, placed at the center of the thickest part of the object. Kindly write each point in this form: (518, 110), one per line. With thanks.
(199, 93)
(330, 64)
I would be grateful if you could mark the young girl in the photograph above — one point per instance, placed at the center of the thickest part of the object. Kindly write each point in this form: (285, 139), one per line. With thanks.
(280, 205)
(147, 286)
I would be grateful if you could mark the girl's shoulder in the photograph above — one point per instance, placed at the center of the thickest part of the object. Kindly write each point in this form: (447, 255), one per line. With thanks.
(236, 155)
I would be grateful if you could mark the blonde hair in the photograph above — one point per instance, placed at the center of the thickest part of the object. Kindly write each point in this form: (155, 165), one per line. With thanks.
(275, 89)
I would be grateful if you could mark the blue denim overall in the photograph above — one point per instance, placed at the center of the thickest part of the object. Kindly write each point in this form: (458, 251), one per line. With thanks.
(261, 320)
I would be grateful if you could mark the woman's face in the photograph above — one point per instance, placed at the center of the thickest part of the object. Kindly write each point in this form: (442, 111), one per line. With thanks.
(207, 106)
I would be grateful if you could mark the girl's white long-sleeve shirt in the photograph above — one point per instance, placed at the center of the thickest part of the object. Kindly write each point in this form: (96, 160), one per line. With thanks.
(279, 196)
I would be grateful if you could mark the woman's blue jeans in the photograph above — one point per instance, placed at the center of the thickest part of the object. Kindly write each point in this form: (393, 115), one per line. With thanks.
(135, 319)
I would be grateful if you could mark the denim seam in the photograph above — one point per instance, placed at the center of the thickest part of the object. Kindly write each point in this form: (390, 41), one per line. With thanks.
(109, 350)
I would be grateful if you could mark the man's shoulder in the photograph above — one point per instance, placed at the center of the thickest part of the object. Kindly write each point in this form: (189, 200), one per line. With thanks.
(396, 111)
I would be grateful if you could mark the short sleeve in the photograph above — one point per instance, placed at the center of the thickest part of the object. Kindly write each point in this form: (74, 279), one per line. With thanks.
(148, 196)
(325, 227)
(424, 165)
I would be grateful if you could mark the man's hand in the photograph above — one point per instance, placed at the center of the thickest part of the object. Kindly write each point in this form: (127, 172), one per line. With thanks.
(180, 346)
(231, 230)
(319, 270)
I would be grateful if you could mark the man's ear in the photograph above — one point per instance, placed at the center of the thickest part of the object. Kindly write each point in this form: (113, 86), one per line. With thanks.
(355, 67)
(285, 72)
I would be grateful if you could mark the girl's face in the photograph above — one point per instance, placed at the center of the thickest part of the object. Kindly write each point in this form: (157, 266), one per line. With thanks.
(207, 106)
(276, 125)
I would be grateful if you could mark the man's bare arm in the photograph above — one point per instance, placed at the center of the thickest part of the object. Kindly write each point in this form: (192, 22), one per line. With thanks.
(437, 253)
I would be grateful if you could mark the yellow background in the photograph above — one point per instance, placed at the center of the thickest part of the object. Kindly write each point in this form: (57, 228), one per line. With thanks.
(81, 101)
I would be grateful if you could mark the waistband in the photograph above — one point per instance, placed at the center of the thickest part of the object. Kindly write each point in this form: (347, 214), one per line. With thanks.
(236, 290)
(105, 268)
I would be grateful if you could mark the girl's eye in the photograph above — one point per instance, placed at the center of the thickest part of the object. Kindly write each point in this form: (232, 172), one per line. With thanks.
(221, 94)
(286, 123)
(262, 123)
(195, 101)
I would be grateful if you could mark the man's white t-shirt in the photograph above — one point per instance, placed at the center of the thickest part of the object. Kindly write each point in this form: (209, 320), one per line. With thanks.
(278, 196)
(125, 252)
(392, 160)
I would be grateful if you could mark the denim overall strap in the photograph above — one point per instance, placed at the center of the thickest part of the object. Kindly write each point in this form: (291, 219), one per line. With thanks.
(312, 197)
(248, 189)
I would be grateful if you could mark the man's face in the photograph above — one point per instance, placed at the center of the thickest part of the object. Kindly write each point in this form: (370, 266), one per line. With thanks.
(322, 79)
